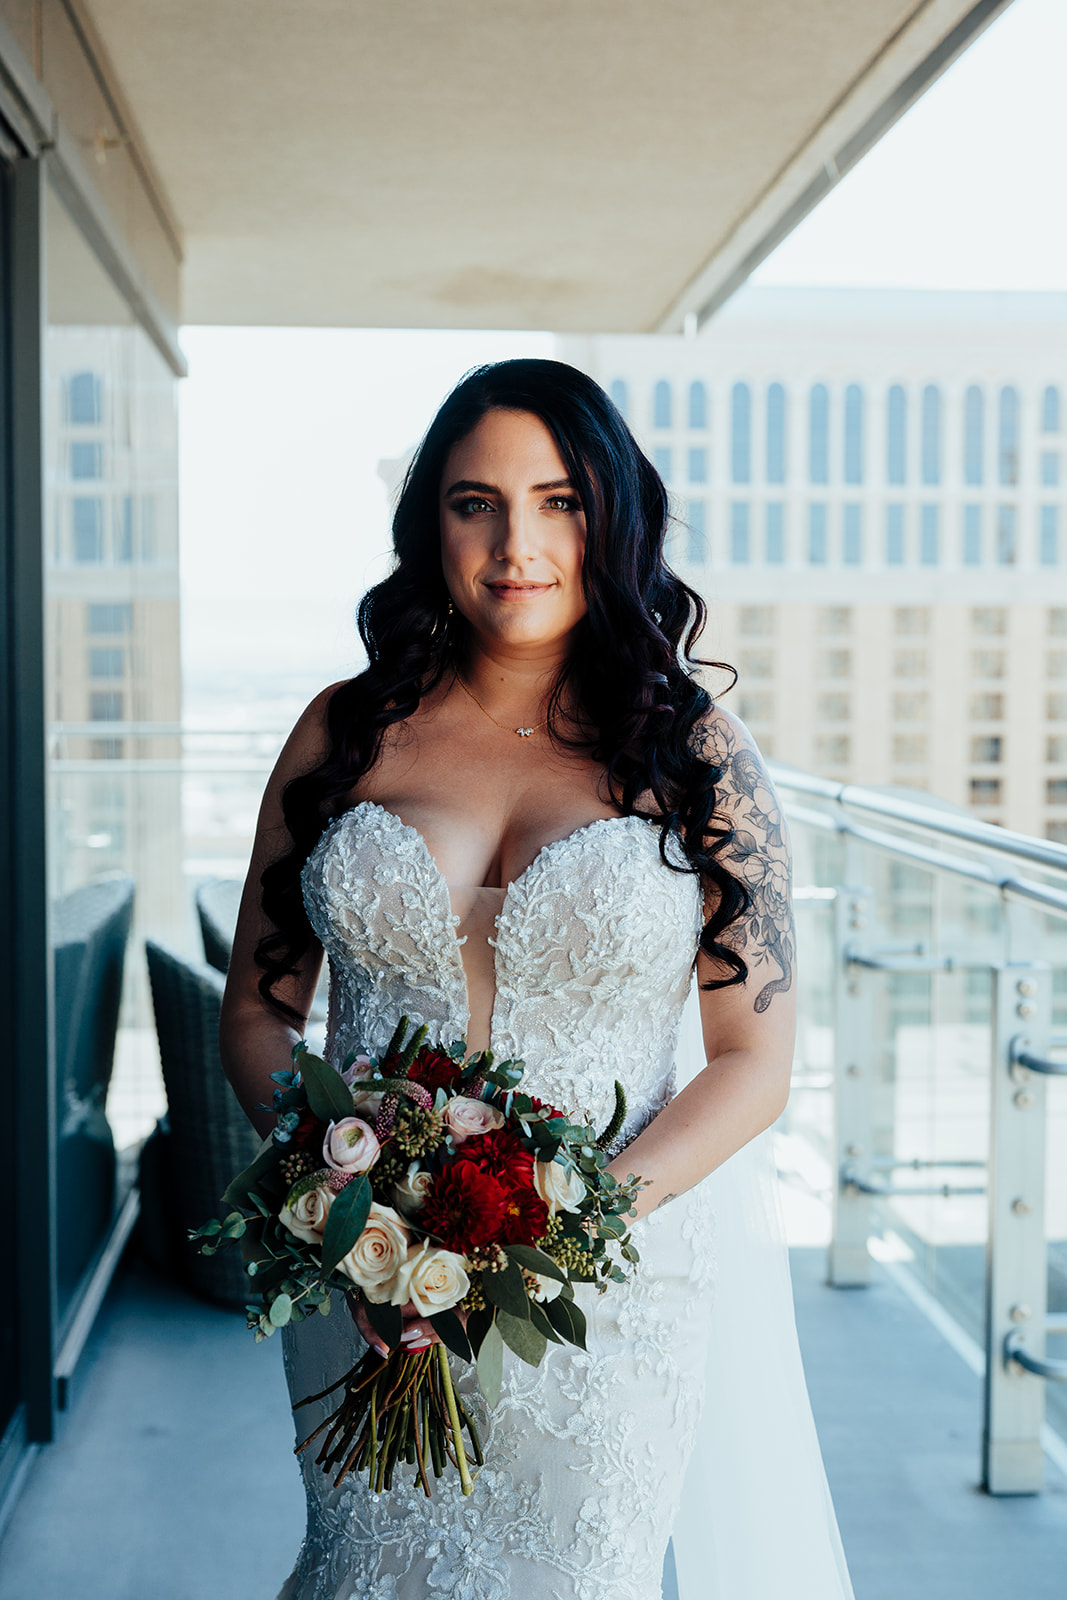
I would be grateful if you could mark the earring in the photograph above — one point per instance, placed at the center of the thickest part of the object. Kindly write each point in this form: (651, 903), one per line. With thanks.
(451, 609)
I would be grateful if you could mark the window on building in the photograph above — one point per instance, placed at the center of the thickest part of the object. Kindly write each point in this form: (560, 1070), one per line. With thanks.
(833, 619)
(896, 455)
(911, 707)
(853, 544)
(776, 433)
(698, 466)
(1050, 410)
(756, 706)
(107, 661)
(1006, 536)
(661, 404)
(972, 536)
(987, 663)
(929, 535)
(1050, 536)
(987, 708)
(910, 664)
(84, 399)
(756, 622)
(124, 529)
(698, 405)
(973, 434)
(86, 459)
(930, 459)
(739, 546)
(1056, 750)
(987, 747)
(835, 706)
(1056, 792)
(774, 534)
(989, 620)
(909, 749)
(1056, 832)
(819, 434)
(985, 791)
(833, 750)
(817, 536)
(756, 664)
(853, 434)
(697, 532)
(894, 536)
(663, 461)
(741, 433)
(1056, 664)
(911, 620)
(1050, 468)
(105, 705)
(1056, 622)
(88, 523)
(620, 395)
(835, 664)
(106, 619)
(1056, 708)
(1008, 439)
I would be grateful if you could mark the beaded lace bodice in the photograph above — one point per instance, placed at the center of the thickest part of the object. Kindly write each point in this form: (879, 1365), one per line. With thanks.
(594, 949)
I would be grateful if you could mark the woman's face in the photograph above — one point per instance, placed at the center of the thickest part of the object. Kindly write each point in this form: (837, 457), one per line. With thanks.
(512, 534)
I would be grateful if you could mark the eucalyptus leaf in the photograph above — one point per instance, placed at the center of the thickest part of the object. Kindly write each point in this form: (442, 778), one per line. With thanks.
(328, 1095)
(567, 1319)
(519, 1333)
(491, 1363)
(346, 1221)
(449, 1330)
(477, 1324)
(507, 1290)
(281, 1310)
(535, 1261)
(539, 1319)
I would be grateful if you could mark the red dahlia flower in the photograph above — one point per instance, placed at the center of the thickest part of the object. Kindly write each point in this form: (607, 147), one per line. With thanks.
(464, 1207)
(525, 1218)
(434, 1070)
(502, 1154)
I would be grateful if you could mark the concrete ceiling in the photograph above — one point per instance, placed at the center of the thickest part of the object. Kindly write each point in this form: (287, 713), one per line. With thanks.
(578, 165)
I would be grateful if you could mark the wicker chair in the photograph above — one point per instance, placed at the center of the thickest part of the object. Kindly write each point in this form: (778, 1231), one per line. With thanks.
(90, 929)
(217, 904)
(210, 1137)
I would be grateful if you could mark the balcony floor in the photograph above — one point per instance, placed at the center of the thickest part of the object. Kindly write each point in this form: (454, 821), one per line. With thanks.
(173, 1475)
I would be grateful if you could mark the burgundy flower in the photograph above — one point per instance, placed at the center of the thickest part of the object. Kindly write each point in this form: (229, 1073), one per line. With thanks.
(308, 1134)
(434, 1070)
(502, 1154)
(464, 1207)
(525, 1218)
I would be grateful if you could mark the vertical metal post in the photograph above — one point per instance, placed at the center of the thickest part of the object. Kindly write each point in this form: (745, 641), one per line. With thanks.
(849, 1265)
(1016, 1263)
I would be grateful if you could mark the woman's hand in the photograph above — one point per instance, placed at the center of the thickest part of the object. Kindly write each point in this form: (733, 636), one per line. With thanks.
(417, 1332)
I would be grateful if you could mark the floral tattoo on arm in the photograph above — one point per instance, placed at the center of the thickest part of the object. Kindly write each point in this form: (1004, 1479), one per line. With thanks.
(759, 856)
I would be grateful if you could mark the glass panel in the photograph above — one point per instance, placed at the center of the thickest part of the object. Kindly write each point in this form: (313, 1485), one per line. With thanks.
(853, 434)
(620, 395)
(113, 693)
(661, 404)
(931, 434)
(776, 434)
(774, 550)
(819, 434)
(896, 436)
(817, 548)
(697, 547)
(1008, 451)
(973, 426)
(698, 405)
(741, 433)
(739, 515)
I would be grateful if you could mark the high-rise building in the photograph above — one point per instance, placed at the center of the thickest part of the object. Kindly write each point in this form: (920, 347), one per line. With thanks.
(869, 490)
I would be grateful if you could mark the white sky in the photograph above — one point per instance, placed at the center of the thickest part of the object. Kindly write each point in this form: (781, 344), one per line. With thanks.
(284, 519)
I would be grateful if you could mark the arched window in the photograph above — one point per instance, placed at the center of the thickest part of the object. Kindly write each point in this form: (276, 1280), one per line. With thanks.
(741, 433)
(661, 404)
(972, 536)
(697, 548)
(1008, 444)
(698, 464)
(894, 536)
(1050, 536)
(930, 536)
(776, 434)
(817, 540)
(931, 434)
(620, 395)
(853, 434)
(698, 405)
(1050, 410)
(1006, 536)
(819, 434)
(774, 534)
(853, 543)
(973, 434)
(739, 513)
(896, 454)
(84, 398)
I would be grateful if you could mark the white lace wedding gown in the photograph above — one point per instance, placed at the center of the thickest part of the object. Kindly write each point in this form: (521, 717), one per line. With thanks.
(585, 1455)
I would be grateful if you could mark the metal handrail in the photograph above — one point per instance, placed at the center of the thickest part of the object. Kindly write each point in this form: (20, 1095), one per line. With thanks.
(1049, 1367)
(889, 1191)
(1021, 1057)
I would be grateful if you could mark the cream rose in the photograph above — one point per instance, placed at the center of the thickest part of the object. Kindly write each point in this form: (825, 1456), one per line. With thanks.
(559, 1187)
(378, 1254)
(350, 1145)
(547, 1288)
(308, 1216)
(412, 1190)
(432, 1279)
(359, 1067)
(466, 1118)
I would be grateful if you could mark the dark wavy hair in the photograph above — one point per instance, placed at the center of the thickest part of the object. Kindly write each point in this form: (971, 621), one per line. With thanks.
(630, 674)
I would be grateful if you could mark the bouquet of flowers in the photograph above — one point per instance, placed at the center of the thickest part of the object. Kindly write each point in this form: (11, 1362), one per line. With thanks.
(425, 1178)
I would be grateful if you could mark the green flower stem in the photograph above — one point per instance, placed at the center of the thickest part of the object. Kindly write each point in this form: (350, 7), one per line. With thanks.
(468, 1422)
(465, 1479)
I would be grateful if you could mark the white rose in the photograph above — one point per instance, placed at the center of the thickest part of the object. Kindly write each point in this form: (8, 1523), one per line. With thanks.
(559, 1187)
(378, 1253)
(466, 1118)
(547, 1288)
(350, 1145)
(358, 1067)
(432, 1279)
(412, 1190)
(308, 1216)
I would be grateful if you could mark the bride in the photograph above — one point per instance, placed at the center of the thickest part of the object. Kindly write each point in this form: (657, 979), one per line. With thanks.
(527, 824)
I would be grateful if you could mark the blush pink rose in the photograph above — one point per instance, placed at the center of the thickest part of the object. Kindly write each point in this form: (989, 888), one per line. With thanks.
(465, 1118)
(350, 1145)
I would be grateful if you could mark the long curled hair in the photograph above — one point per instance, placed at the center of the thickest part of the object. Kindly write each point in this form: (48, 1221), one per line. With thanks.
(629, 676)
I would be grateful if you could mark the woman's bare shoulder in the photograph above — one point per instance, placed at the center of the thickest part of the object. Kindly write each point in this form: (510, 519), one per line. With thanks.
(309, 741)
(745, 796)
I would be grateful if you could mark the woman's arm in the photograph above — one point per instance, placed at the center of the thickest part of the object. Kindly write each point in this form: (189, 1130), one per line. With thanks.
(254, 1039)
(749, 1029)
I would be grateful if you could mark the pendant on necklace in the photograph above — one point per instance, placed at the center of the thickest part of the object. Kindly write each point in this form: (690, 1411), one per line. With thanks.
(524, 733)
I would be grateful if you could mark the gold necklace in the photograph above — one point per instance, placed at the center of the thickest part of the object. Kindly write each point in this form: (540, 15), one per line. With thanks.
(523, 733)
